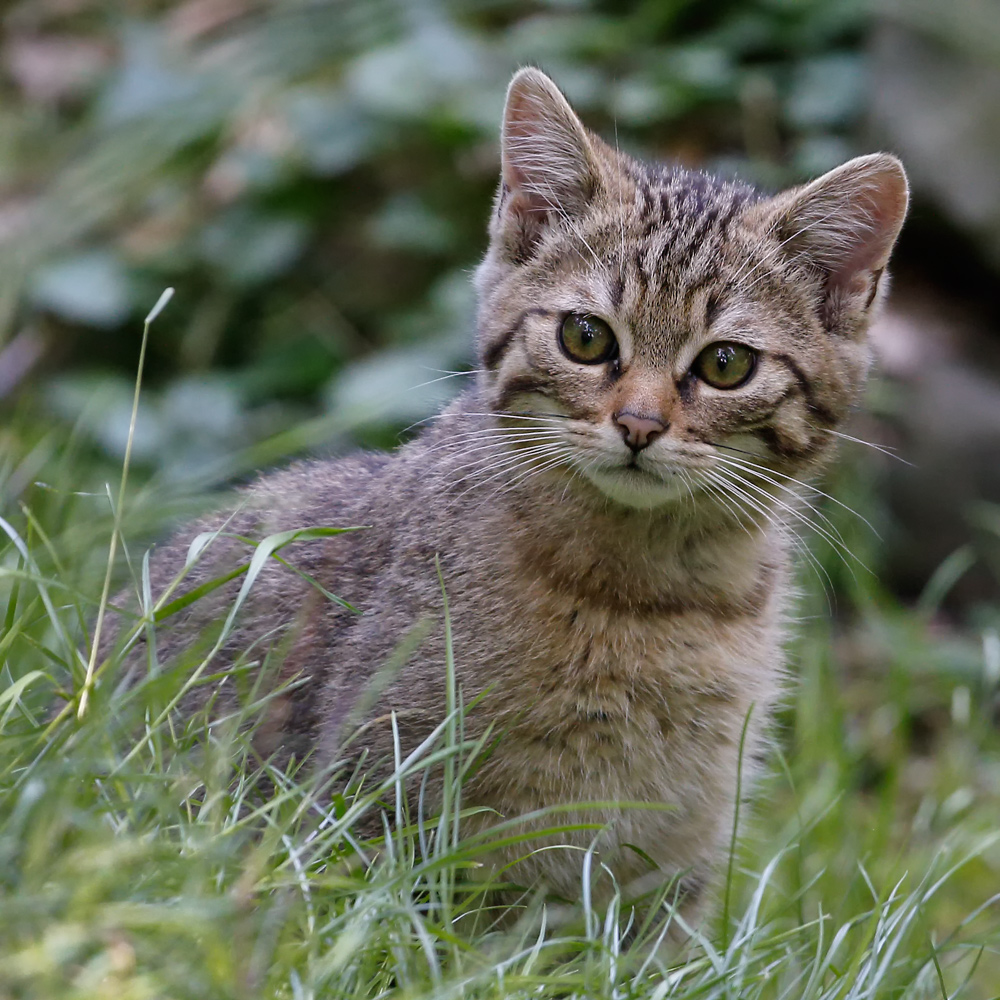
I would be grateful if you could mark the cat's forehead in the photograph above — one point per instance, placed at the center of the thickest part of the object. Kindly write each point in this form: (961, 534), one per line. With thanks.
(660, 248)
(679, 223)
(665, 193)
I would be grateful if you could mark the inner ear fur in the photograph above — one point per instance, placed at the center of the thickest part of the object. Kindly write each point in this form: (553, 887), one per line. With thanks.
(547, 162)
(845, 223)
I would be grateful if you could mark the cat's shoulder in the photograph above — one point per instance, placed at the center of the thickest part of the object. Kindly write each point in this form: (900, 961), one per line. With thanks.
(315, 475)
(331, 491)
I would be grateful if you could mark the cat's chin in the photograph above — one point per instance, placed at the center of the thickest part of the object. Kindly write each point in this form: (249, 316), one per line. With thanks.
(632, 487)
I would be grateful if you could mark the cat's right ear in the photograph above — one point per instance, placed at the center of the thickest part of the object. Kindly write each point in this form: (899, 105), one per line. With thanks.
(547, 162)
(844, 225)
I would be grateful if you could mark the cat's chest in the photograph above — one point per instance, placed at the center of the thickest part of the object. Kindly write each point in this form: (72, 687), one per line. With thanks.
(602, 693)
(598, 690)
(595, 706)
(567, 647)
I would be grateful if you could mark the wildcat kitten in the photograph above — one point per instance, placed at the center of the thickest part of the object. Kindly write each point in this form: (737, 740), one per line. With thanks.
(660, 353)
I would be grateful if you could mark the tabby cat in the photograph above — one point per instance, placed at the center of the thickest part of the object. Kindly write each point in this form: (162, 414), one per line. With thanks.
(662, 356)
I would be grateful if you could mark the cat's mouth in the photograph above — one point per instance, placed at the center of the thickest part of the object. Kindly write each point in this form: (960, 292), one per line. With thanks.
(633, 468)
(633, 485)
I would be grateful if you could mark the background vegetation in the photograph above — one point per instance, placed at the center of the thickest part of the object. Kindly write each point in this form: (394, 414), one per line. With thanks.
(313, 178)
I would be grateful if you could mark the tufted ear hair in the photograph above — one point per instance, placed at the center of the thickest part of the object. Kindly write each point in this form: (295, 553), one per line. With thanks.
(547, 162)
(845, 224)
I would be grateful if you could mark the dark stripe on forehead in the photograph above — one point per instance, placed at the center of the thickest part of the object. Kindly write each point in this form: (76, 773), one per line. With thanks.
(617, 289)
(493, 353)
(712, 305)
(640, 269)
(698, 192)
(697, 204)
(694, 287)
(691, 239)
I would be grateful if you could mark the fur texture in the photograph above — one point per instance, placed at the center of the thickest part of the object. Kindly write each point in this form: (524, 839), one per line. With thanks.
(622, 608)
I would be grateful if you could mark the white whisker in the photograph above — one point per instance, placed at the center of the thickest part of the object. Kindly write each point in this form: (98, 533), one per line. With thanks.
(509, 466)
(504, 447)
(719, 489)
(496, 438)
(559, 459)
(510, 461)
(722, 488)
(508, 415)
(838, 544)
(621, 205)
(761, 473)
(798, 544)
(761, 470)
(443, 378)
(882, 449)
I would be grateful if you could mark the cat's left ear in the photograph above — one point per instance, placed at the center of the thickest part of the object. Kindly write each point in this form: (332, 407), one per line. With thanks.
(547, 163)
(845, 224)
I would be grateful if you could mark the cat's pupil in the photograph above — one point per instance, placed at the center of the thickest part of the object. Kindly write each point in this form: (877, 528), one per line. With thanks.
(587, 339)
(725, 365)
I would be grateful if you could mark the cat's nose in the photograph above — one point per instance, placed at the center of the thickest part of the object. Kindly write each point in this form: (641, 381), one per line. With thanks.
(638, 431)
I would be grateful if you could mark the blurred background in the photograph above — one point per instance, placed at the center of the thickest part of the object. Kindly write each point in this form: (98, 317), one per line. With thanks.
(314, 178)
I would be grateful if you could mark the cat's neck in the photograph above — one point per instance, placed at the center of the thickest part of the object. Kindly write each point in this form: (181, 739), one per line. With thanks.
(634, 559)
(568, 533)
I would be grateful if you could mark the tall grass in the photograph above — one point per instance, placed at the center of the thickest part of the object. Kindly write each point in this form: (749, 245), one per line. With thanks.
(148, 853)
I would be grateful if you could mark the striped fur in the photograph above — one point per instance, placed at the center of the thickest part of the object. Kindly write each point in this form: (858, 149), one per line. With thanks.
(621, 615)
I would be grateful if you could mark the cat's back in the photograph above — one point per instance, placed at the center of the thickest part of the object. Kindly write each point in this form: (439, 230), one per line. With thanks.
(340, 493)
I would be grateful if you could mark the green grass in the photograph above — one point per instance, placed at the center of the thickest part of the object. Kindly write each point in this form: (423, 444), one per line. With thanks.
(148, 854)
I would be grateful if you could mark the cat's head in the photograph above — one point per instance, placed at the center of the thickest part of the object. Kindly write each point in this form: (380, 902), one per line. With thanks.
(655, 331)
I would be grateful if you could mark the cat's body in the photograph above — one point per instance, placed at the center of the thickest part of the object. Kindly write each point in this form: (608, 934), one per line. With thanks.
(611, 515)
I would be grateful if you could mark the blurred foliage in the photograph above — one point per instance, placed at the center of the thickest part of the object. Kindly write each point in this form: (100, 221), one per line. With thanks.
(314, 179)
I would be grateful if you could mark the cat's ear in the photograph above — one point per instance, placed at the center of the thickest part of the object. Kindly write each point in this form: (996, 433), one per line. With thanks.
(547, 162)
(845, 224)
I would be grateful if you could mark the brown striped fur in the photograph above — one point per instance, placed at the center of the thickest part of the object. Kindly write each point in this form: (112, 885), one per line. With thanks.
(623, 614)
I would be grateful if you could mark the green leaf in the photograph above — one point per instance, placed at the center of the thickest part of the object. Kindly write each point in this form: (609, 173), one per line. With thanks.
(11, 695)
(91, 287)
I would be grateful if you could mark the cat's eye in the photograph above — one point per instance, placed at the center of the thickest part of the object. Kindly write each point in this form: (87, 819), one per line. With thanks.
(725, 365)
(587, 339)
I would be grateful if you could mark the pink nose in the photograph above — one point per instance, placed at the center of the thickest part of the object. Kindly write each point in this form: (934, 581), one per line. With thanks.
(638, 431)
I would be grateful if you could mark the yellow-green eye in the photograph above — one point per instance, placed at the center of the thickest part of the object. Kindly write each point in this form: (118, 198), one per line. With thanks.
(725, 365)
(587, 339)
